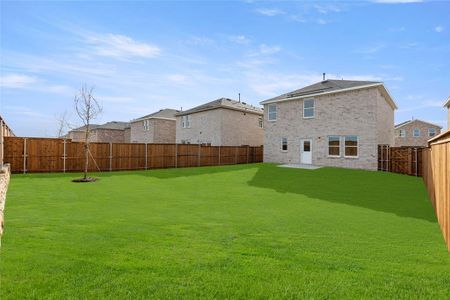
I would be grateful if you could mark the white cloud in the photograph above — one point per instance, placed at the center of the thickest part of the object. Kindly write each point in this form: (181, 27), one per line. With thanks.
(322, 21)
(327, 8)
(16, 80)
(20, 81)
(270, 12)
(121, 46)
(240, 39)
(438, 28)
(178, 78)
(268, 50)
(200, 41)
(371, 50)
(397, 1)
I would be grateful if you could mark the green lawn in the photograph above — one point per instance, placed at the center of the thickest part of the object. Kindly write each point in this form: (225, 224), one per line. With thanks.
(248, 231)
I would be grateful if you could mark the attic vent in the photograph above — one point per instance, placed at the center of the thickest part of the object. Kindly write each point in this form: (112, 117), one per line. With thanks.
(244, 103)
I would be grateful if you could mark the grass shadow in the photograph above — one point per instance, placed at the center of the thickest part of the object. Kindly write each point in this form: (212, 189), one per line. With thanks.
(402, 195)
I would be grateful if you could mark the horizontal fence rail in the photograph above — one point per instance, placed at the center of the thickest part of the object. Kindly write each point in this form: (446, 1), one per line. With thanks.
(28, 155)
(403, 160)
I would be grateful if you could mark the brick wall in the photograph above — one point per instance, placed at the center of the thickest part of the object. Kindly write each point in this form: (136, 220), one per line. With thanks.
(409, 139)
(159, 131)
(361, 113)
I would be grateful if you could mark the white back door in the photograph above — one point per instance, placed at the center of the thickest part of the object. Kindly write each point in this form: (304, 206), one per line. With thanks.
(306, 151)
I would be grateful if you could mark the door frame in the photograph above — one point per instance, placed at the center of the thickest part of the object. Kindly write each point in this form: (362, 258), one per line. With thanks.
(301, 149)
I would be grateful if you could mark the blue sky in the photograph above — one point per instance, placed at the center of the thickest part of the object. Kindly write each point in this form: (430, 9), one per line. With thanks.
(144, 56)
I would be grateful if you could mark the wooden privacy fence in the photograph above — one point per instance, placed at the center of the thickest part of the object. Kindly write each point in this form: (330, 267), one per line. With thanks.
(436, 175)
(29, 155)
(403, 160)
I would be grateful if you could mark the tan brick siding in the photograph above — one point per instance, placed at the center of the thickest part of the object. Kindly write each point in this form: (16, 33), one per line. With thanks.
(107, 136)
(409, 139)
(159, 131)
(222, 127)
(351, 113)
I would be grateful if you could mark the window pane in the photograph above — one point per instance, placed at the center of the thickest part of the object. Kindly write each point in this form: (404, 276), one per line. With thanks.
(333, 151)
(272, 113)
(308, 112)
(351, 151)
(272, 108)
(333, 140)
(306, 146)
(351, 140)
(284, 144)
(309, 103)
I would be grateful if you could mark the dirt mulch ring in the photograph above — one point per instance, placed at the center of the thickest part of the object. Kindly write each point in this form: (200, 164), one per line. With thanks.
(89, 179)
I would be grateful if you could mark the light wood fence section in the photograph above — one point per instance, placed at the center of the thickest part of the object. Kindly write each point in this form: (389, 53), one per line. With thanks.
(28, 155)
(436, 175)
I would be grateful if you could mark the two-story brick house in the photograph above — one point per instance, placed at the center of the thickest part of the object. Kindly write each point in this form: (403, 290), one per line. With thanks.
(158, 127)
(222, 122)
(415, 133)
(331, 123)
(110, 132)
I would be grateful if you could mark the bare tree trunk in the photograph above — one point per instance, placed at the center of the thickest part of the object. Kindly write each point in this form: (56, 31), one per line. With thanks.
(86, 152)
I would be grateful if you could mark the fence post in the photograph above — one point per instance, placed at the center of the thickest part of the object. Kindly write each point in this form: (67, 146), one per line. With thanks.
(417, 161)
(219, 155)
(64, 156)
(198, 158)
(146, 159)
(25, 155)
(110, 156)
(248, 150)
(176, 155)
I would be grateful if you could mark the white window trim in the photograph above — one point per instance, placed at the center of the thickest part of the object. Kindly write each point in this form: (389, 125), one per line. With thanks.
(186, 121)
(357, 147)
(313, 108)
(261, 122)
(400, 133)
(281, 144)
(268, 113)
(328, 146)
(414, 129)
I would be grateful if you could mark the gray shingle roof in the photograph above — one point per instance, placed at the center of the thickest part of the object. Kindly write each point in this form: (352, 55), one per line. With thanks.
(116, 125)
(166, 113)
(323, 87)
(223, 103)
(415, 120)
(108, 125)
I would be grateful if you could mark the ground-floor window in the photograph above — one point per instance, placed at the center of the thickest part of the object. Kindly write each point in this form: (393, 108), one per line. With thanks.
(351, 146)
(334, 145)
(284, 144)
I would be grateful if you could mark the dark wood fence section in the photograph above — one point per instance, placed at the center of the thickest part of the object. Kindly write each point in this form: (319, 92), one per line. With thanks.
(28, 155)
(403, 160)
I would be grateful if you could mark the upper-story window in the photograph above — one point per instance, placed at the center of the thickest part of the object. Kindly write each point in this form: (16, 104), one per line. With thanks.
(402, 133)
(431, 132)
(186, 121)
(260, 122)
(146, 125)
(308, 108)
(272, 112)
(416, 132)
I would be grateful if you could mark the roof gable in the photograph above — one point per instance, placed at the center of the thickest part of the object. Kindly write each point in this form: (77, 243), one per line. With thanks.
(223, 103)
(329, 87)
(415, 121)
(447, 103)
(166, 113)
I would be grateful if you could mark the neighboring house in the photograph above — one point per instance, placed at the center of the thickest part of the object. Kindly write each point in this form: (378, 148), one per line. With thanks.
(110, 132)
(5, 130)
(447, 104)
(158, 127)
(222, 122)
(415, 133)
(330, 123)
